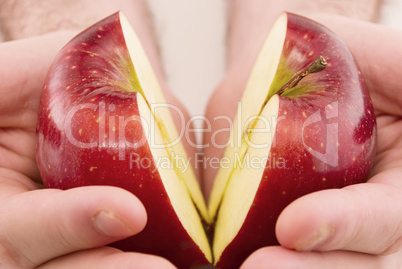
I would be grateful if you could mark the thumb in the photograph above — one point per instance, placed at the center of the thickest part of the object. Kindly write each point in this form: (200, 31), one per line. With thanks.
(40, 225)
(364, 218)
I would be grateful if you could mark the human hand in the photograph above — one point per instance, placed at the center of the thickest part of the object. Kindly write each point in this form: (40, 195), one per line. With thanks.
(47, 228)
(359, 226)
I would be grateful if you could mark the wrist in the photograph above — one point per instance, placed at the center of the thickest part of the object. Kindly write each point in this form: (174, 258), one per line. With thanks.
(21, 19)
(367, 10)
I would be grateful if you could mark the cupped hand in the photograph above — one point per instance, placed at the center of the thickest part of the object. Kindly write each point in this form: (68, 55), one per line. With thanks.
(47, 228)
(359, 226)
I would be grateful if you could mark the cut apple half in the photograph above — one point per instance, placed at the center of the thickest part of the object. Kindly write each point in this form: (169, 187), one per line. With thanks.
(103, 120)
(305, 105)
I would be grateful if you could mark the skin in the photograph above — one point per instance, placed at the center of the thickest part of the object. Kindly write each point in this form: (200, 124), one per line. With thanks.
(46, 228)
(355, 227)
(37, 233)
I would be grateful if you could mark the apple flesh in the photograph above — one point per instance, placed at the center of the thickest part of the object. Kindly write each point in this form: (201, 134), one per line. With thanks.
(102, 122)
(290, 138)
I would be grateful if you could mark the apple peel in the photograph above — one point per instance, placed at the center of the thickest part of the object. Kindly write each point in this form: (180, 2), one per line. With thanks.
(103, 120)
(307, 118)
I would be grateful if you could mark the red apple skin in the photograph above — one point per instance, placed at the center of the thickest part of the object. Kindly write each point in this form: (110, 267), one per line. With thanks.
(304, 173)
(84, 97)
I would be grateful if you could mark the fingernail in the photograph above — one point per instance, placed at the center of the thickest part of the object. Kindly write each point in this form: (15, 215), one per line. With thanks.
(318, 238)
(107, 224)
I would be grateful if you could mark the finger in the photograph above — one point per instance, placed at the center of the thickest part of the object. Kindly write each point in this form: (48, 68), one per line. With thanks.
(40, 225)
(380, 69)
(364, 218)
(22, 72)
(281, 258)
(107, 258)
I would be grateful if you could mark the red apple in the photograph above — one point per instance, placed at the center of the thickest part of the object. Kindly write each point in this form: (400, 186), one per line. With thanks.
(103, 121)
(306, 123)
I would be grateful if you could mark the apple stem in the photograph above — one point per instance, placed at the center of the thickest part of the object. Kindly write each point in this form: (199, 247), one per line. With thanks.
(318, 65)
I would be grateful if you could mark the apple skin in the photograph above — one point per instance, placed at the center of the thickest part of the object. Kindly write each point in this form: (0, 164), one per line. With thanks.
(341, 97)
(84, 91)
